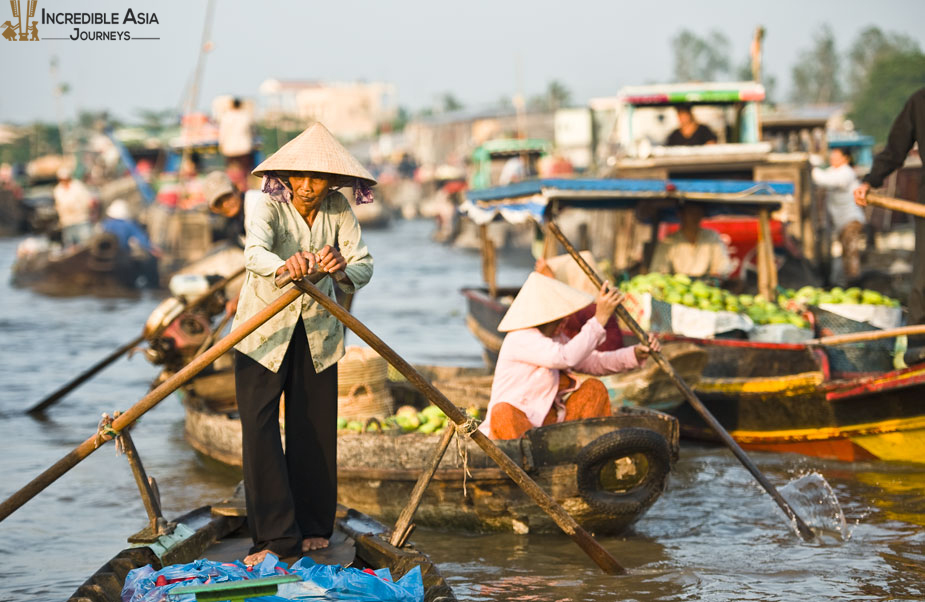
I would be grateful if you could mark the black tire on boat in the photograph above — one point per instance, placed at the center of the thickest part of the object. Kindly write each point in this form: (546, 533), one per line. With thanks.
(103, 251)
(613, 446)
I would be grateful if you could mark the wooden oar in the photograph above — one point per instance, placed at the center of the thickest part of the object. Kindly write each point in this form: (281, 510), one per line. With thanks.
(150, 400)
(119, 352)
(867, 335)
(893, 204)
(585, 541)
(805, 532)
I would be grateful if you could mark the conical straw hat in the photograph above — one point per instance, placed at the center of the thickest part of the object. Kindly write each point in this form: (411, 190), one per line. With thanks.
(542, 299)
(316, 149)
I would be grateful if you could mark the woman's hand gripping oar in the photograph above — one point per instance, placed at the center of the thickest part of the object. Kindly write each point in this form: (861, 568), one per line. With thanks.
(83, 377)
(150, 400)
(805, 532)
(585, 541)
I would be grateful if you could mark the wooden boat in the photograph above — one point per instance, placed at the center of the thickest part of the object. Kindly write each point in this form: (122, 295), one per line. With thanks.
(97, 267)
(784, 398)
(376, 471)
(219, 533)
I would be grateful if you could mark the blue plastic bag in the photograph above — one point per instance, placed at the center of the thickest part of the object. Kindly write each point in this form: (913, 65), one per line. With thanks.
(320, 581)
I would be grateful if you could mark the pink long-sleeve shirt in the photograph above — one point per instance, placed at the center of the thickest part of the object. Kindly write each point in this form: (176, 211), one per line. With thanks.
(527, 372)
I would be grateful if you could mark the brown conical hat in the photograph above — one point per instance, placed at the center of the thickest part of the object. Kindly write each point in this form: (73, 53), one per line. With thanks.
(542, 299)
(316, 149)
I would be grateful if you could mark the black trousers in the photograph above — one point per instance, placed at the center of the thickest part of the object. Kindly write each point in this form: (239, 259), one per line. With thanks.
(917, 294)
(291, 495)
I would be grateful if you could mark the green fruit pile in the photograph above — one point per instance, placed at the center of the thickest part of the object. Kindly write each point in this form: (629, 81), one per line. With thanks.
(809, 295)
(681, 289)
(407, 419)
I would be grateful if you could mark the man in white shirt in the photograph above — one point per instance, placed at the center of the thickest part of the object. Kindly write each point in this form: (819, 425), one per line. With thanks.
(236, 137)
(73, 203)
(692, 250)
(839, 182)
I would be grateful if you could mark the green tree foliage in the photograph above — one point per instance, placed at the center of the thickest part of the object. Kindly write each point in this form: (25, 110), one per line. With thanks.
(871, 45)
(892, 79)
(450, 102)
(816, 73)
(557, 95)
(36, 139)
(700, 58)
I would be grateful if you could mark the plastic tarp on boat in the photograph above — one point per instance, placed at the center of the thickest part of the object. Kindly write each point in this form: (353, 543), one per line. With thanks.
(520, 202)
(319, 581)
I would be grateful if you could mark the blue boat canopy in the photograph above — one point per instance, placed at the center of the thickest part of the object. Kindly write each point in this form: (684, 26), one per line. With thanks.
(522, 201)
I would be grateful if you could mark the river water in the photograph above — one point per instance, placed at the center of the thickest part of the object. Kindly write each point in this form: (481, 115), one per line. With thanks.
(713, 535)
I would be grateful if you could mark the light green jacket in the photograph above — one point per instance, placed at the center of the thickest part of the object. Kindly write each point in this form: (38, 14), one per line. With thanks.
(275, 232)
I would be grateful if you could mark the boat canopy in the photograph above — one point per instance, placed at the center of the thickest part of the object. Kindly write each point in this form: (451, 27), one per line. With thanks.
(693, 93)
(523, 201)
(511, 146)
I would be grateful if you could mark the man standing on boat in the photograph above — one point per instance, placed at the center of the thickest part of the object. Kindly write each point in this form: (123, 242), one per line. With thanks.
(236, 141)
(301, 224)
(73, 202)
(907, 130)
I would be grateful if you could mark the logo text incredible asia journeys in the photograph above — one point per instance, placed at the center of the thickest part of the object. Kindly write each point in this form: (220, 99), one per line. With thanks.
(27, 27)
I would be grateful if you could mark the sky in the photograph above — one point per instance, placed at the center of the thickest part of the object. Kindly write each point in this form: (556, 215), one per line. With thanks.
(479, 50)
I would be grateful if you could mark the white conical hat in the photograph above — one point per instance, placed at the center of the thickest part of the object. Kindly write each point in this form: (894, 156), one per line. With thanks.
(316, 149)
(542, 299)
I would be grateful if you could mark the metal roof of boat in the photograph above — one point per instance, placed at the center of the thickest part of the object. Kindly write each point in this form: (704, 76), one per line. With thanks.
(693, 92)
(517, 202)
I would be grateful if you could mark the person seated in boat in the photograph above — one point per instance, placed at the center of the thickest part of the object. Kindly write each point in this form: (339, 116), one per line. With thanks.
(301, 224)
(131, 236)
(564, 269)
(133, 240)
(533, 385)
(692, 250)
(74, 204)
(226, 199)
(689, 132)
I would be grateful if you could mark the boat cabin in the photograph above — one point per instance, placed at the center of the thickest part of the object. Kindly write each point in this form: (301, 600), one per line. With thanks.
(731, 111)
(488, 160)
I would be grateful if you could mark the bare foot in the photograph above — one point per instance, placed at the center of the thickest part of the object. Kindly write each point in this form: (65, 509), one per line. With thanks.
(256, 558)
(313, 543)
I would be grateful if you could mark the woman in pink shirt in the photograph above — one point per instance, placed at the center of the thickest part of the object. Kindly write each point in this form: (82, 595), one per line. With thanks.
(532, 385)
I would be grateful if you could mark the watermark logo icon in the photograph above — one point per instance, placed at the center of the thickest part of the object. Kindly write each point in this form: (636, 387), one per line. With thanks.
(26, 29)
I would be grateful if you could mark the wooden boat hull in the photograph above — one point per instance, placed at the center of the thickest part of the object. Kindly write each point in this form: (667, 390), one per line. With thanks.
(208, 534)
(376, 472)
(98, 267)
(862, 418)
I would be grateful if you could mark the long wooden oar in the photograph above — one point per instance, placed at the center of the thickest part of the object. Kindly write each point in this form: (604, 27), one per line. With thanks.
(867, 335)
(83, 377)
(150, 400)
(893, 204)
(585, 541)
(805, 532)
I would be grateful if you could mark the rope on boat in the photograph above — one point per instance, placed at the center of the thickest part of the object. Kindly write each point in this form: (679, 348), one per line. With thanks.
(105, 432)
(463, 432)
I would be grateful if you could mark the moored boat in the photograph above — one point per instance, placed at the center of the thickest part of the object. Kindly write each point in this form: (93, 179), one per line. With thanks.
(97, 266)
(802, 410)
(219, 533)
(606, 472)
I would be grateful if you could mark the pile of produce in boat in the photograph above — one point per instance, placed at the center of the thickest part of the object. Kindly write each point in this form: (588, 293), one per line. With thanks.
(809, 295)
(407, 419)
(679, 289)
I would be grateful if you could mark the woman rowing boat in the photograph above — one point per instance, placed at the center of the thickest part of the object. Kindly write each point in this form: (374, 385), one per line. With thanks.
(301, 224)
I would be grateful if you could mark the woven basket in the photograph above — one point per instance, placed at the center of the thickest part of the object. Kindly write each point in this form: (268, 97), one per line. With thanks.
(360, 366)
(467, 391)
(362, 385)
(365, 401)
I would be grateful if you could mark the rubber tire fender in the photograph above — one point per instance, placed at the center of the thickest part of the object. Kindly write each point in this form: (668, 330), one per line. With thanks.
(613, 446)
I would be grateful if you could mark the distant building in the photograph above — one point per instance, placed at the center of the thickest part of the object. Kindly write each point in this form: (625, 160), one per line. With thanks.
(351, 110)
